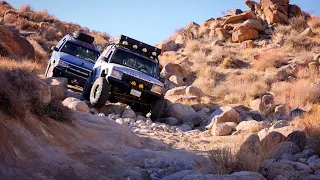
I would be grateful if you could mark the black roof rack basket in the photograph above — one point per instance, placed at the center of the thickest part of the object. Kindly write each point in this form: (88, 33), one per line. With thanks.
(136, 46)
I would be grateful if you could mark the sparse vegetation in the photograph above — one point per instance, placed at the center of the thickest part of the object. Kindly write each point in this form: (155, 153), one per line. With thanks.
(56, 111)
(223, 160)
(28, 65)
(272, 58)
(297, 93)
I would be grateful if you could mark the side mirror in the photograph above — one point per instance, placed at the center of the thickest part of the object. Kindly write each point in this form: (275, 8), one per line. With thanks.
(54, 48)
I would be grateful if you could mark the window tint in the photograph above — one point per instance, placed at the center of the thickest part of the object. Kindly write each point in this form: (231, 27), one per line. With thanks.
(80, 52)
(134, 61)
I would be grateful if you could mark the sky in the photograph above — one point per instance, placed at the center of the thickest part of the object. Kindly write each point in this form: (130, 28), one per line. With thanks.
(150, 21)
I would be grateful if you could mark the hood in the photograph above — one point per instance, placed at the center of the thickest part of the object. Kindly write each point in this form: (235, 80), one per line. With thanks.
(137, 74)
(76, 61)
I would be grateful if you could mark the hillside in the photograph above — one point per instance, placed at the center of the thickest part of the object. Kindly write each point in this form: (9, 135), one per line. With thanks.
(242, 102)
(41, 29)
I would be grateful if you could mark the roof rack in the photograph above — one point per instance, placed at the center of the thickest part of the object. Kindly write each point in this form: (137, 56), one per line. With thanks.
(136, 46)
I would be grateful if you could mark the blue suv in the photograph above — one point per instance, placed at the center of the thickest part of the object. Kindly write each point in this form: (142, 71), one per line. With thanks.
(73, 57)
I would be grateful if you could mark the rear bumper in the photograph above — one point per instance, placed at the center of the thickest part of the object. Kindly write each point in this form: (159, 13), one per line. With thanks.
(72, 78)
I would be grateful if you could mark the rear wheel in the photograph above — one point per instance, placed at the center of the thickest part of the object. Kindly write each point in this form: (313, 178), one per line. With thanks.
(99, 93)
(158, 108)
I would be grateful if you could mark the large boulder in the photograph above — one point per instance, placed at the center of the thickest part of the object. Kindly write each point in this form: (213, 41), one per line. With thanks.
(251, 126)
(275, 11)
(128, 113)
(75, 104)
(222, 34)
(242, 33)
(194, 91)
(264, 104)
(294, 11)
(270, 141)
(178, 80)
(240, 17)
(180, 111)
(16, 44)
(176, 91)
(221, 115)
(201, 115)
(254, 24)
(79, 106)
(171, 69)
(58, 87)
(250, 153)
(168, 45)
(221, 129)
(282, 148)
(299, 138)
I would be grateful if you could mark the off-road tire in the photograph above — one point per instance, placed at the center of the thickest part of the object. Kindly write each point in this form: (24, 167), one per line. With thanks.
(83, 37)
(99, 93)
(158, 108)
(85, 95)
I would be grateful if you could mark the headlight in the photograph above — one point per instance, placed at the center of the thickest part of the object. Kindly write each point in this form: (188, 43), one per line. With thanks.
(157, 89)
(116, 74)
(63, 63)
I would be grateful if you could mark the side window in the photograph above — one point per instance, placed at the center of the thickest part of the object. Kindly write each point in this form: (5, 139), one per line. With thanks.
(108, 56)
(61, 43)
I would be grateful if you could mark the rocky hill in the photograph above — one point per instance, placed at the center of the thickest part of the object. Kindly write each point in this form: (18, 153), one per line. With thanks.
(41, 29)
(242, 96)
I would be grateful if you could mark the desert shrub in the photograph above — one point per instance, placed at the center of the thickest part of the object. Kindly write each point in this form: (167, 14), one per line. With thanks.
(239, 87)
(206, 79)
(291, 38)
(10, 18)
(186, 34)
(314, 22)
(272, 58)
(55, 110)
(19, 93)
(310, 74)
(223, 160)
(296, 94)
(41, 56)
(23, 24)
(311, 122)
(298, 23)
(25, 64)
(297, 41)
(51, 34)
(39, 16)
(192, 46)
(168, 57)
(230, 63)
(4, 50)
(25, 8)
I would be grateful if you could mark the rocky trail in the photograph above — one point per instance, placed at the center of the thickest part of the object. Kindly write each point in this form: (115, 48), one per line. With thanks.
(242, 95)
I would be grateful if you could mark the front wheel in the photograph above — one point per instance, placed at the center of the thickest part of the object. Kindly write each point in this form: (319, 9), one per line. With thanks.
(99, 93)
(158, 109)
(85, 95)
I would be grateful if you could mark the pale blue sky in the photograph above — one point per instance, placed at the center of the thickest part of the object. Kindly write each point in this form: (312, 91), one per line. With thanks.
(147, 20)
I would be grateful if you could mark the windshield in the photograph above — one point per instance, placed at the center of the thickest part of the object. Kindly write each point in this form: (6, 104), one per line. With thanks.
(136, 62)
(80, 52)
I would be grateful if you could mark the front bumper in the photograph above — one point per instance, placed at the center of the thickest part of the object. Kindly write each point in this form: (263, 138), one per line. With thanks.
(73, 78)
(120, 90)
